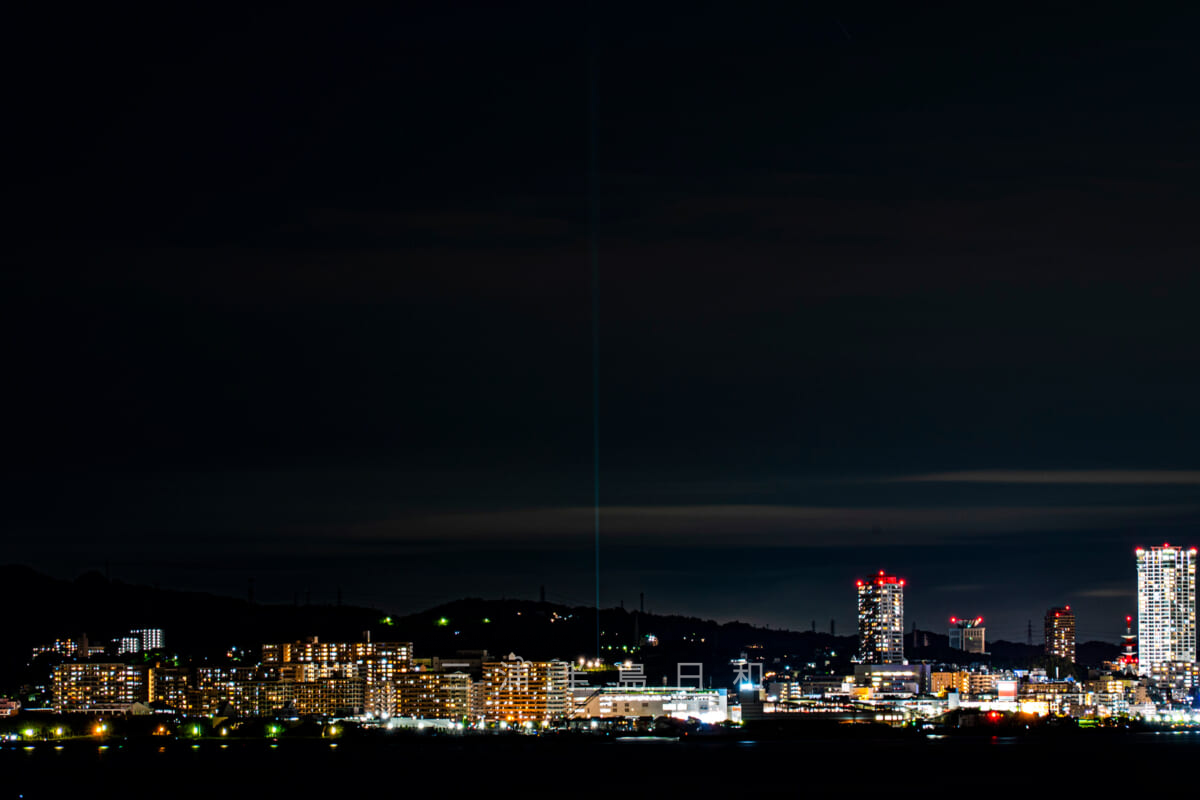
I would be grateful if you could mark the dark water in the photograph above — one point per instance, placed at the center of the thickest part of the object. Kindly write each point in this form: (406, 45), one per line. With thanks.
(398, 767)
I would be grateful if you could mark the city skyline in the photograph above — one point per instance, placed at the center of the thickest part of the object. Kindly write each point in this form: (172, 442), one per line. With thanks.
(321, 687)
(382, 682)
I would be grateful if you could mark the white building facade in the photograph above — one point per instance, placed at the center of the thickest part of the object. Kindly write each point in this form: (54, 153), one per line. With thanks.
(1166, 606)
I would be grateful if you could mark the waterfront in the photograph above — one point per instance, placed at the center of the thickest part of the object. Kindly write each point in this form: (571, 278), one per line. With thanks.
(572, 767)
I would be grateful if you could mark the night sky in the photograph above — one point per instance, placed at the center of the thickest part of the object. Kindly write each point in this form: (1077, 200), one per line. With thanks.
(306, 299)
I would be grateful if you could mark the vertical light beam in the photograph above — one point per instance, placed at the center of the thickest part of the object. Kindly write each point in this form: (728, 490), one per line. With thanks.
(594, 252)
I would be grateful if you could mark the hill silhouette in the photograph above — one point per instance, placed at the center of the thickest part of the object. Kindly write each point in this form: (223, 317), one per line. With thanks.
(200, 625)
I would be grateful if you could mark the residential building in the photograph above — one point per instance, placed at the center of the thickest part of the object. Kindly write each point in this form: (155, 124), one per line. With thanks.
(1060, 633)
(98, 687)
(150, 638)
(516, 690)
(881, 620)
(173, 687)
(942, 682)
(127, 644)
(1166, 607)
(433, 695)
(375, 664)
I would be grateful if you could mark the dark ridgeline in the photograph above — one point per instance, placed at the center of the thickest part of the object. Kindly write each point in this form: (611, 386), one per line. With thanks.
(199, 625)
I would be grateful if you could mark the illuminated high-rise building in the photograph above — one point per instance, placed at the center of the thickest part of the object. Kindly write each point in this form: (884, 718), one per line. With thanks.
(1166, 607)
(1060, 633)
(881, 620)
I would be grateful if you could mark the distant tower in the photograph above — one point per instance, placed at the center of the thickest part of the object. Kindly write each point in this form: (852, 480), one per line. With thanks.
(1060, 633)
(1166, 606)
(1129, 659)
(881, 620)
(968, 634)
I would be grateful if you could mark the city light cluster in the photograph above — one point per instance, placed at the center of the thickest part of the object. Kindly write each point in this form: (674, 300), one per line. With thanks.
(1156, 677)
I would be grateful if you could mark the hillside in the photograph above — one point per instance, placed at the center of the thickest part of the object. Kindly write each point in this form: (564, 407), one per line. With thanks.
(199, 625)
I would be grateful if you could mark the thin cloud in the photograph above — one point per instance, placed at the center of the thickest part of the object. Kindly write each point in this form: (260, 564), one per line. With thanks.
(760, 525)
(1112, 477)
(1110, 592)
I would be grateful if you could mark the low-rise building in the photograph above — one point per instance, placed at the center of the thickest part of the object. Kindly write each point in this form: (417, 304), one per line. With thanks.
(706, 705)
(893, 679)
(174, 688)
(433, 695)
(98, 687)
(515, 690)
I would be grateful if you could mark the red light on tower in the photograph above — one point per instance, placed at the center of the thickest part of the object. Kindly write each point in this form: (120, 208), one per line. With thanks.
(858, 583)
(953, 620)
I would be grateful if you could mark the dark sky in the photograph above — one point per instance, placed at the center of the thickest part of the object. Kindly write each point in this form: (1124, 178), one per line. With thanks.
(307, 299)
